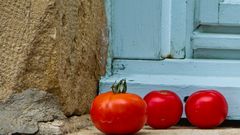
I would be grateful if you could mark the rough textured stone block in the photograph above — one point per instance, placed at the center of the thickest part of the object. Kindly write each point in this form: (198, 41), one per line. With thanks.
(22, 112)
(54, 45)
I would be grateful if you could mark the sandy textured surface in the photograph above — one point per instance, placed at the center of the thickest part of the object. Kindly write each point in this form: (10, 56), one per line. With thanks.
(54, 45)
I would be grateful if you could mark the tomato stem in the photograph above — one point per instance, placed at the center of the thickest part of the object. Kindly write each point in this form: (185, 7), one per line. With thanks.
(120, 87)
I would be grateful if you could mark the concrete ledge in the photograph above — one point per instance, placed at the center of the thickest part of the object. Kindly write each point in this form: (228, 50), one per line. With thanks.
(173, 131)
(83, 126)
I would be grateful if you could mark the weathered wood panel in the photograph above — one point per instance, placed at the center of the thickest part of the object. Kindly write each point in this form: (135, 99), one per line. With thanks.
(136, 28)
(229, 12)
(215, 41)
(208, 11)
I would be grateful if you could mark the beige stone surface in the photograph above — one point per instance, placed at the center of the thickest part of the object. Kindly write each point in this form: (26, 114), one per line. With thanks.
(54, 45)
(173, 131)
(82, 125)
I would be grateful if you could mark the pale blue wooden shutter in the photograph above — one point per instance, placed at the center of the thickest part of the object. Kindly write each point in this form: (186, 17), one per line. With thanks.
(224, 12)
(218, 34)
(136, 29)
(174, 44)
(143, 29)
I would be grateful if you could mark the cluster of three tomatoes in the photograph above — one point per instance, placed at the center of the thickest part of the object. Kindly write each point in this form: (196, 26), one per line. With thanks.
(118, 112)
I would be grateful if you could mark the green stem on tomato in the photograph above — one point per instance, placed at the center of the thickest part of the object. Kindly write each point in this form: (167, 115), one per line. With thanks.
(120, 87)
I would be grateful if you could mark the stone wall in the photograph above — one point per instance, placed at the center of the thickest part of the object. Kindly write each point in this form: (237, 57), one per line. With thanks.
(58, 46)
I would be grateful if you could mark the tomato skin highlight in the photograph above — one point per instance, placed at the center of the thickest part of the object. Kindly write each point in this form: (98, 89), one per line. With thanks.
(123, 113)
(164, 109)
(206, 108)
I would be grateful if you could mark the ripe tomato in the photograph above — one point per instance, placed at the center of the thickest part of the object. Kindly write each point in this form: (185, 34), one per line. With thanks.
(118, 112)
(206, 108)
(164, 109)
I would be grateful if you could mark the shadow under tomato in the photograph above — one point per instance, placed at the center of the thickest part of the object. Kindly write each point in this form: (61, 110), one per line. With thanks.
(227, 123)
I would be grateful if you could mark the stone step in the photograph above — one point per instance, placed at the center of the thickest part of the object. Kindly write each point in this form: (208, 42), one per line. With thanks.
(178, 130)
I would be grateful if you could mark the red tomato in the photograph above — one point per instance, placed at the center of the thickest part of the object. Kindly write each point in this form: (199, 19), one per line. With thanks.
(206, 108)
(164, 109)
(118, 113)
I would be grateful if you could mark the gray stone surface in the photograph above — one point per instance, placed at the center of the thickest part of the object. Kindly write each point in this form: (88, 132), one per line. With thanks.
(22, 112)
(51, 128)
(66, 126)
